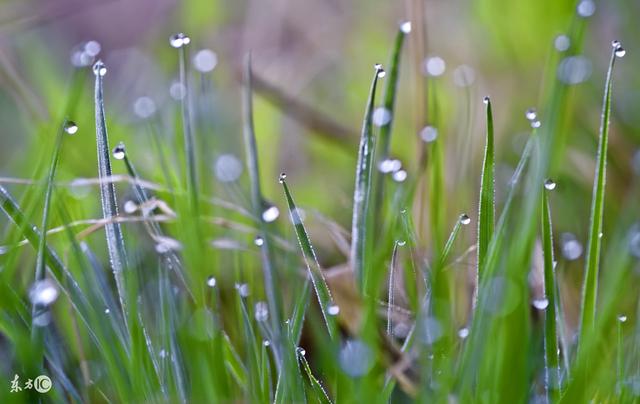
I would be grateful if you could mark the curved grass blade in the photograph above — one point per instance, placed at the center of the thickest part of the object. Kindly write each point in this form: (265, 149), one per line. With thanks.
(313, 267)
(592, 262)
(320, 392)
(257, 204)
(552, 361)
(362, 189)
(444, 256)
(390, 299)
(115, 241)
(487, 208)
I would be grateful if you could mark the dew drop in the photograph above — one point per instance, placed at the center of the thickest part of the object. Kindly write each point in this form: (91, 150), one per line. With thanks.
(266, 342)
(387, 166)
(540, 304)
(463, 332)
(381, 116)
(380, 70)
(92, 48)
(119, 151)
(259, 241)
(401, 243)
(333, 309)
(586, 8)
(107, 311)
(531, 114)
(486, 100)
(205, 60)
(355, 358)
(429, 134)
(434, 66)
(549, 184)
(615, 44)
(70, 127)
(43, 293)
(211, 281)
(270, 214)
(162, 248)
(399, 176)
(562, 43)
(405, 27)
(177, 91)
(179, 40)
(243, 289)
(620, 52)
(99, 69)
(130, 207)
(571, 247)
(465, 219)
(301, 351)
(261, 311)
(536, 124)
(282, 177)
(622, 318)
(600, 235)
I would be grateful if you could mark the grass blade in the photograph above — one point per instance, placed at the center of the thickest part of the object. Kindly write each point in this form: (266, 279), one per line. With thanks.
(320, 392)
(313, 267)
(552, 368)
(362, 189)
(115, 241)
(592, 262)
(257, 203)
(487, 208)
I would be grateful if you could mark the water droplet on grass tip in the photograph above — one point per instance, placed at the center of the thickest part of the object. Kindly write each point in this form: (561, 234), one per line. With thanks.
(540, 304)
(301, 351)
(620, 52)
(130, 207)
(380, 70)
(179, 40)
(586, 8)
(429, 134)
(405, 27)
(622, 318)
(107, 311)
(43, 293)
(211, 282)
(549, 184)
(261, 311)
(99, 69)
(387, 166)
(333, 310)
(571, 247)
(434, 66)
(266, 342)
(399, 176)
(259, 241)
(465, 219)
(270, 214)
(531, 114)
(205, 60)
(536, 124)
(282, 177)
(119, 151)
(562, 43)
(70, 127)
(486, 100)
(463, 332)
(381, 116)
(243, 289)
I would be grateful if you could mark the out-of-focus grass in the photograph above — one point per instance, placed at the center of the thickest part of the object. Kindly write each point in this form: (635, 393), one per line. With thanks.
(218, 296)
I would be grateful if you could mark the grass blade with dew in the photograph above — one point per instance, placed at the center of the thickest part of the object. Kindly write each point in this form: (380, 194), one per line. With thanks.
(388, 109)
(552, 361)
(444, 256)
(115, 240)
(487, 208)
(257, 203)
(320, 393)
(362, 188)
(592, 261)
(390, 299)
(180, 41)
(323, 293)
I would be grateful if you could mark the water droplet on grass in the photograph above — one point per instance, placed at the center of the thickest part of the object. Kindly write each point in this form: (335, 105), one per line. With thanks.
(465, 219)
(387, 166)
(620, 52)
(177, 91)
(266, 342)
(540, 304)
(586, 8)
(282, 177)
(531, 114)
(333, 310)
(355, 358)
(92, 48)
(434, 66)
(486, 100)
(380, 70)
(205, 60)
(43, 293)
(70, 127)
(463, 332)
(562, 43)
(259, 241)
(270, 214)
(130, 207)
(381, 116)
(179, 40)
(119, 151)
(211, 282)
(243, 289)
(405, 27)
(429, 134)
(99, 69)
(549, 184)
(401, 243)
(622, 318)
(399, 176)
(536, 124)
(301, 351)
(571, 247)
(261, 311)
(107, 311)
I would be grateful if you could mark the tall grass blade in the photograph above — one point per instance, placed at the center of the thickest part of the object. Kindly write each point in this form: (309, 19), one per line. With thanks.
(320, 393)
(552, 361)
(257, 204)
(115, 240)
(362, 188)
(592, 262)
(313, 267)
(487, 208)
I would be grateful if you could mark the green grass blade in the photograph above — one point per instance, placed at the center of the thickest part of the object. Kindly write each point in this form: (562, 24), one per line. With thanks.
(313, 267)
(115, 240)
(391, 294)
(320, 393)
(257, 203)
(592, 264)
(446, 251)
(487, 208)
(552, 361)
(362, 188)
